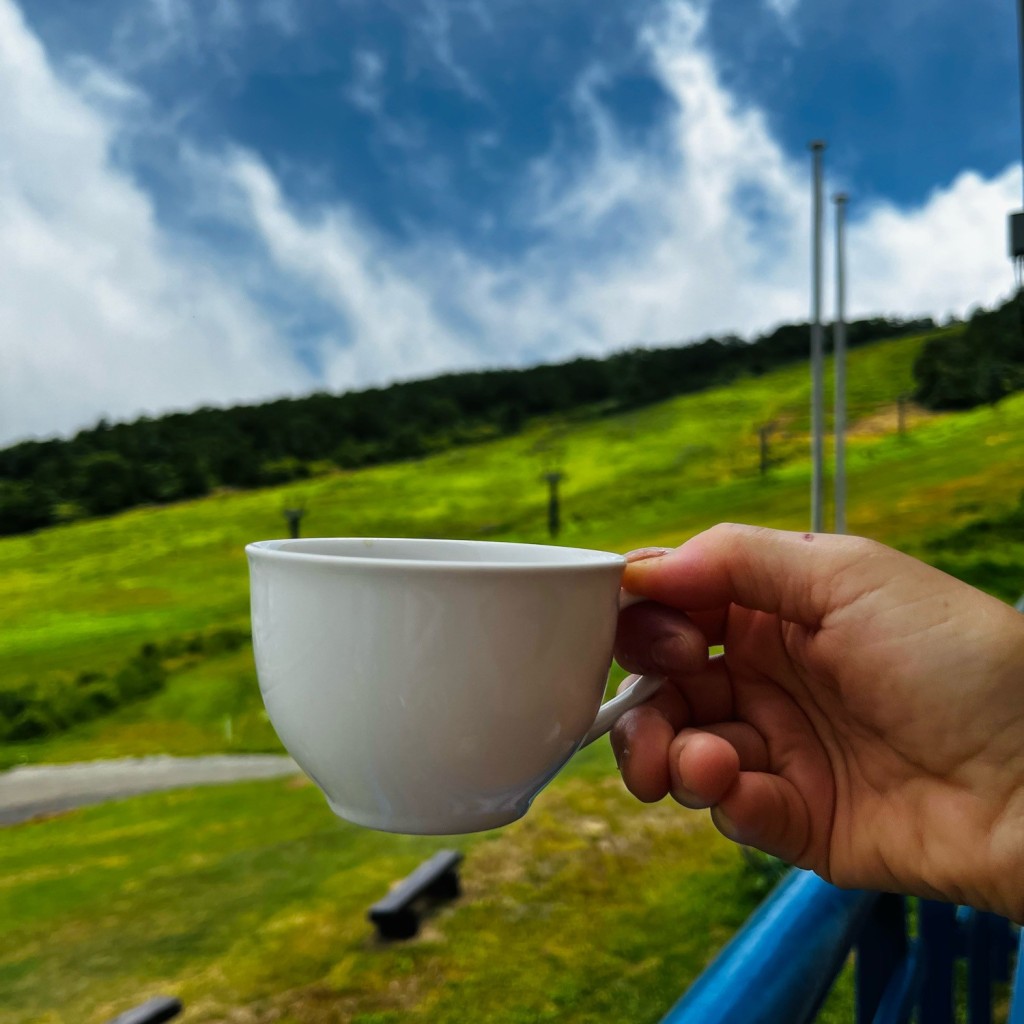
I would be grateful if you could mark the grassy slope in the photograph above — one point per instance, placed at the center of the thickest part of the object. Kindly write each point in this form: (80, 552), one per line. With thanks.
(86, 595)
(592, 908)
(208, 708)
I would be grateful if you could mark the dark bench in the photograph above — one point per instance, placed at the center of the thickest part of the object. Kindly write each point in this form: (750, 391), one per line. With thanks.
(153, 1011)
(397, 915)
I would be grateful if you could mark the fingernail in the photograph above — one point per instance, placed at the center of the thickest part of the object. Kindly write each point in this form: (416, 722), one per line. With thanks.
(725, 824)
(642, 554)
(671, 652)
(683, 796)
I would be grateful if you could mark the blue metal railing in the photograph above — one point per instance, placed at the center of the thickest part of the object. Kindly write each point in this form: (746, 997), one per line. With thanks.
(1017, 1006)
(780, 966)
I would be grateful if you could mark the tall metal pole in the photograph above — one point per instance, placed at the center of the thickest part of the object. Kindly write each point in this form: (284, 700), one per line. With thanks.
(817, 355)
(839, 349)
(1016, 220)
(1016, 224)
(1020, 54)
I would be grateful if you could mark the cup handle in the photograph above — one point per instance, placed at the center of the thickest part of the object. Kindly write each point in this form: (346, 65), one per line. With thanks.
(640, 689)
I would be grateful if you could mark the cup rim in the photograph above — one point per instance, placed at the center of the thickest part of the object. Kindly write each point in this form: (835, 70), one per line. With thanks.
(580, 559)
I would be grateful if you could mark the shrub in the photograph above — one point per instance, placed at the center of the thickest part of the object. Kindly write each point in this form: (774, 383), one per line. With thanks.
(31, 724)
(142, 676)
(221, 641)
(14, 702)
(43, 708)
(99, 698)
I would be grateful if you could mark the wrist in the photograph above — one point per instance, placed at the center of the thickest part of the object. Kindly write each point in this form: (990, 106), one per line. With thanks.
(1007, 848)
(1006, 756)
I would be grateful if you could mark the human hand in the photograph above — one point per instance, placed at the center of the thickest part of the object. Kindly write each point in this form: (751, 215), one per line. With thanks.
(866, 719)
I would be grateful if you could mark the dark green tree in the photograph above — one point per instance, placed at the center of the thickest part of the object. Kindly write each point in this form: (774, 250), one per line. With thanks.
(24, 506)
(980, 364)
(106, 482)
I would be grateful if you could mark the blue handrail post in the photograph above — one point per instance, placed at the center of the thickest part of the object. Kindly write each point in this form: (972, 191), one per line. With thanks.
(881, 948)
(1004, 944)
(938, 939)
(1017, 999)
(980, 964)
(781, 964)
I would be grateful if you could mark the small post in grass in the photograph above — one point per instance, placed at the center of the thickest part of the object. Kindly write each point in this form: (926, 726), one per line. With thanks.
(554, 520)
(764, 434)
(293, 517)
(901, 415)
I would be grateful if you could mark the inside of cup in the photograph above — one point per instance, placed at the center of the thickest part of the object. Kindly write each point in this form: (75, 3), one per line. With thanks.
(448, 552)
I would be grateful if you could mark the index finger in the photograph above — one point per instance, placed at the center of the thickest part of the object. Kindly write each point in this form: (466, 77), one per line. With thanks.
(777, 571)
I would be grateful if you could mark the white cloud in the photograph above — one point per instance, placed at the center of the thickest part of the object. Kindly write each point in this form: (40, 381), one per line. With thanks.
(152, 30)
(103, 88)
(945, 256)
(783, 8)
(390, 324)
(103, 311)
(638, 247)
(100, 312)
(715, 230)
(158, 32)
(366, 89)
(280, 14)
(435, 25)
(709, 235)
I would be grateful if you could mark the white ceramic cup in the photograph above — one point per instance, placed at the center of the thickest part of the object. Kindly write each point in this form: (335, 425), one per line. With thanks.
(435, 686)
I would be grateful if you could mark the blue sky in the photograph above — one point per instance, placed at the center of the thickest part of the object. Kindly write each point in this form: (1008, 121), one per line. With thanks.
(208, 201)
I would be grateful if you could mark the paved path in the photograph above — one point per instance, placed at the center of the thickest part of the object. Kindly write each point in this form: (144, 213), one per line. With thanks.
(29, 791)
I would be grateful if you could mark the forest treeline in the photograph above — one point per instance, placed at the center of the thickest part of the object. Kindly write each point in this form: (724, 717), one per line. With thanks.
(111, 467)
(978, 365)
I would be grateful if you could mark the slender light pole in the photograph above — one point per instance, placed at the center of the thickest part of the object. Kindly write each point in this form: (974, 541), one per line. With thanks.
(839, 350)
(817, 354)
(1020, 56)
(1016, 220)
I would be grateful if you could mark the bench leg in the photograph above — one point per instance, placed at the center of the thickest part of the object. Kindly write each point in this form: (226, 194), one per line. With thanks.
(446, 887)
(402, 924)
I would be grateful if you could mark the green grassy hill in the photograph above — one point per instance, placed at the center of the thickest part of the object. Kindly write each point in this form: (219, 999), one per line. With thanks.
(249, 900)
(84, 597)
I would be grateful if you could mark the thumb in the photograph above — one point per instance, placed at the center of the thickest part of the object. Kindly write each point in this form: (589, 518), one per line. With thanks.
(793, 575)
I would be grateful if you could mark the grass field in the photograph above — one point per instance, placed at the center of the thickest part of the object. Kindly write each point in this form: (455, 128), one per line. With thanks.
(248, 901)
(86, 595)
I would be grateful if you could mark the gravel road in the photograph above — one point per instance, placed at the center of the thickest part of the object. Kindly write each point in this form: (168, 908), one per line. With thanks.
(30, 791)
